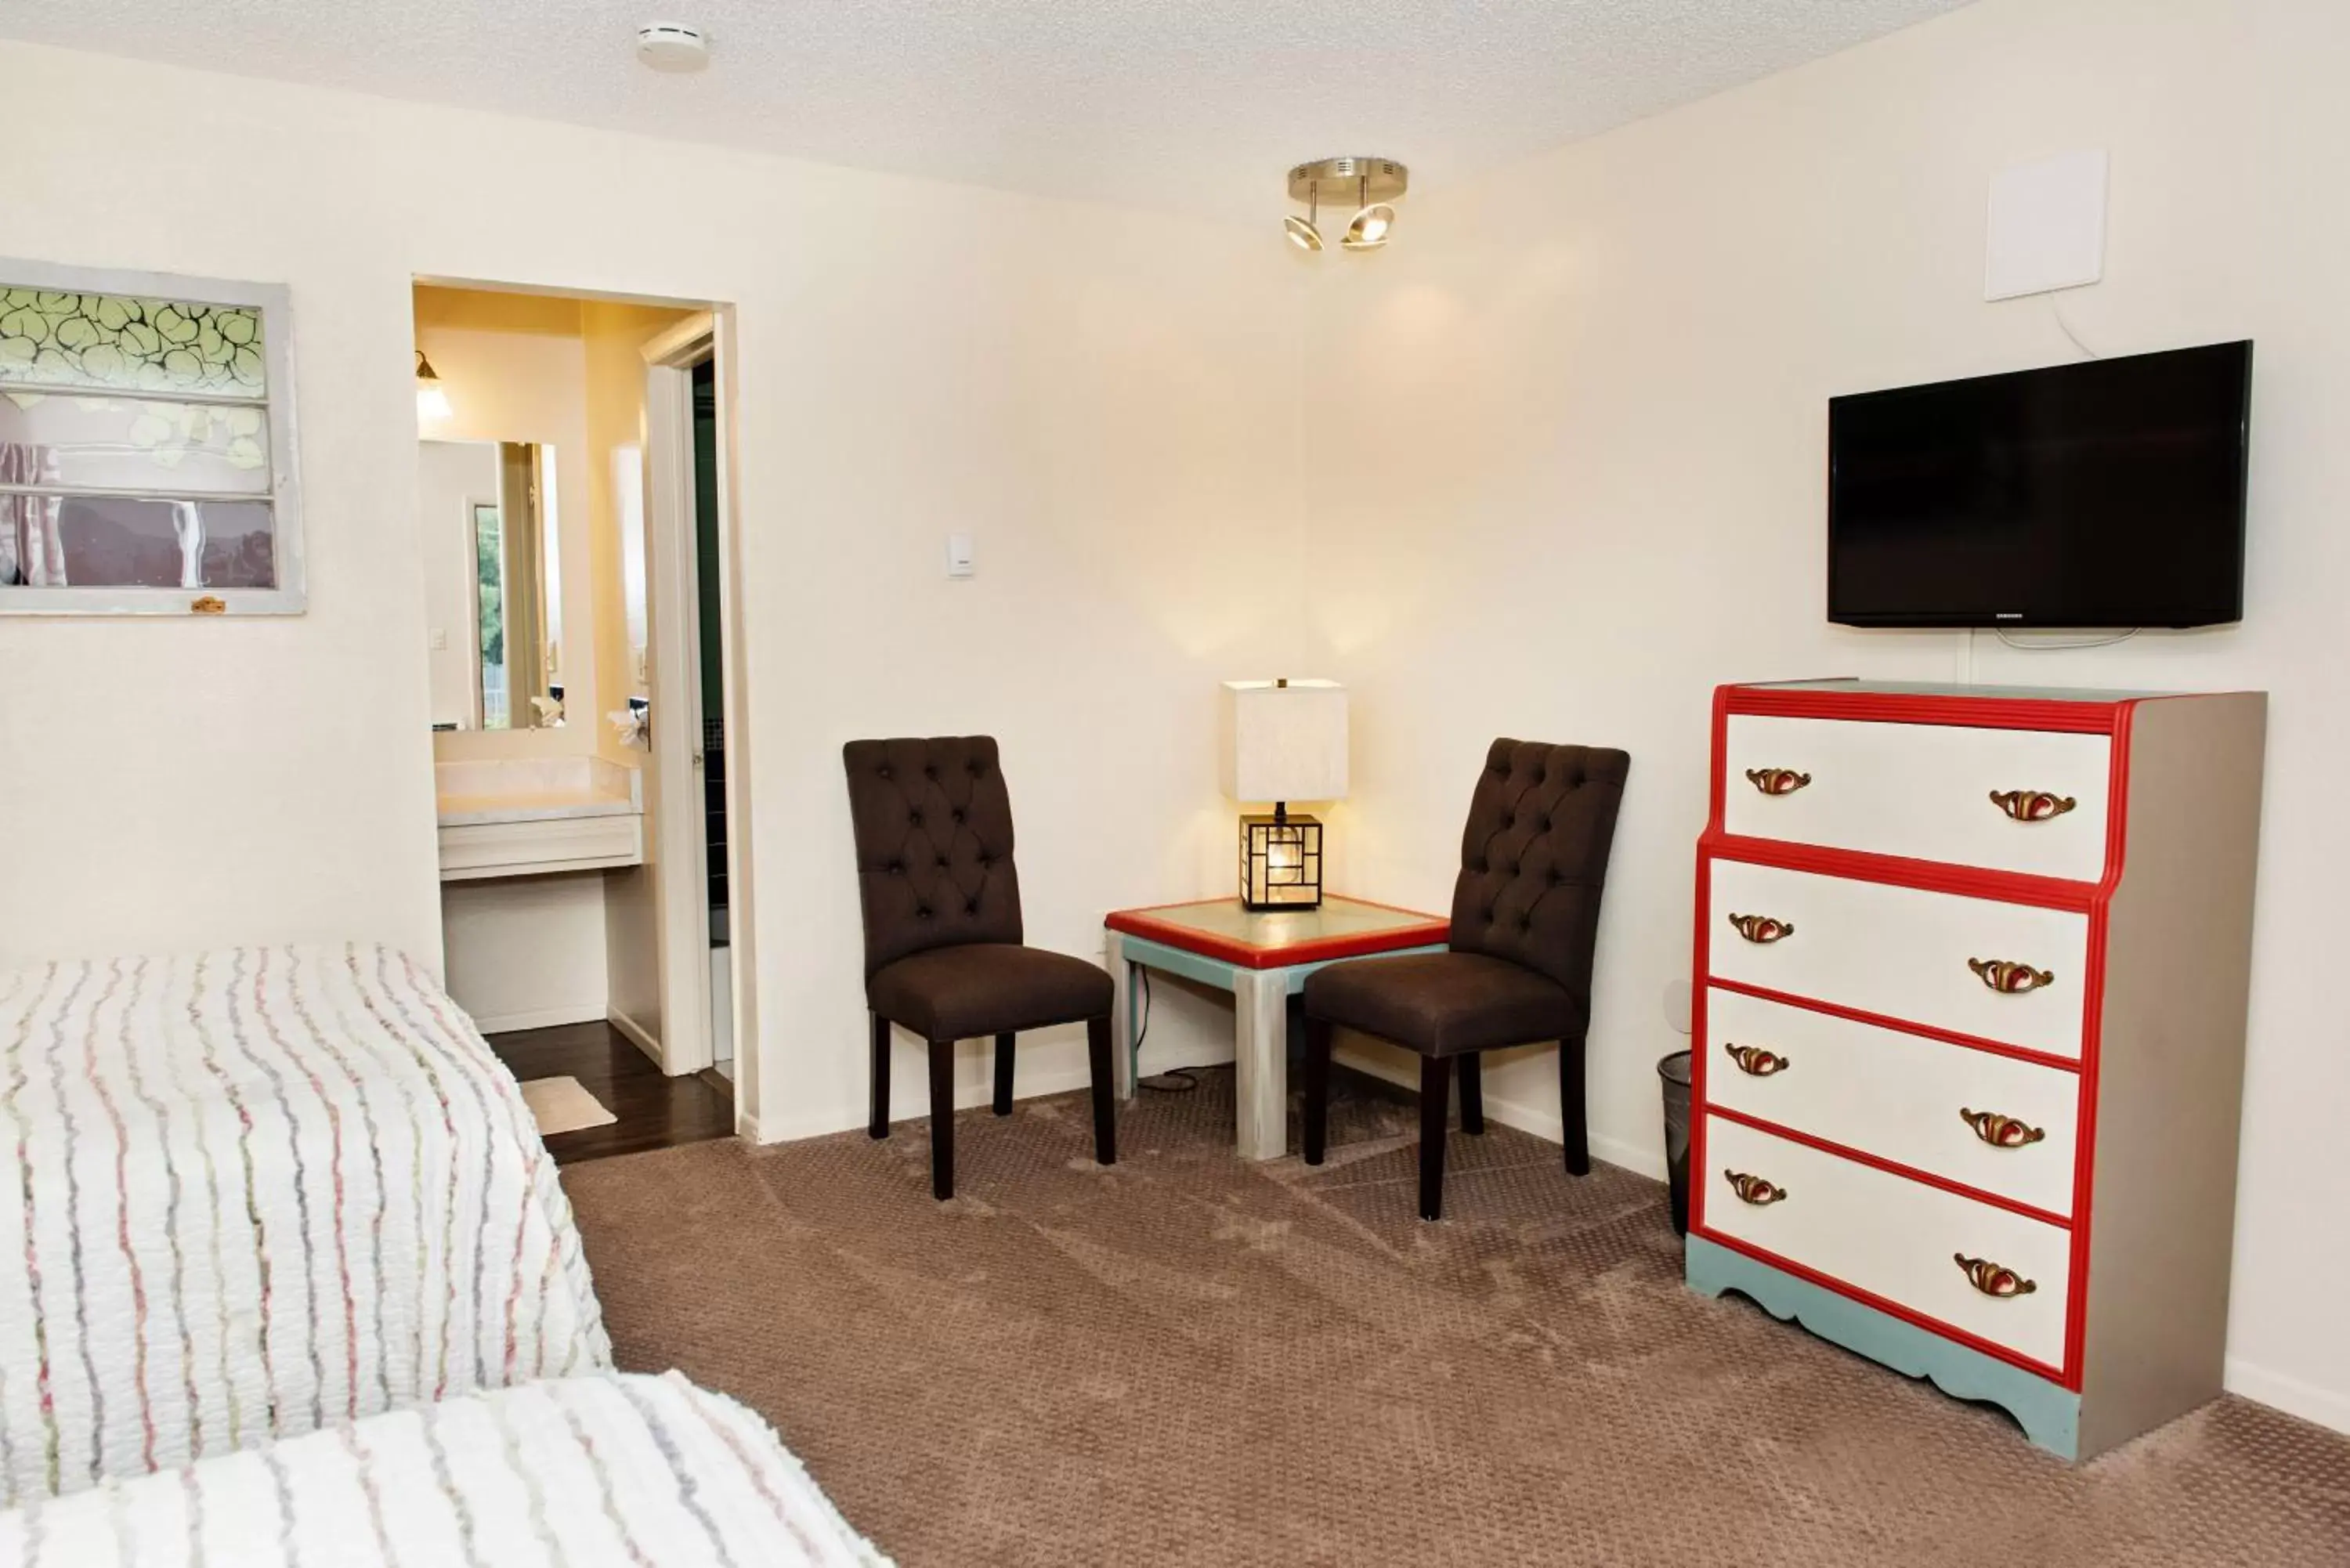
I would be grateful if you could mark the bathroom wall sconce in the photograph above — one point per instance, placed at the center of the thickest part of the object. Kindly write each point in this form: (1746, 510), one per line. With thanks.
(431, 397)
(1373, 183)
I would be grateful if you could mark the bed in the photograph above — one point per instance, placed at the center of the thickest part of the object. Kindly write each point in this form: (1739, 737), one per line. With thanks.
(590, 1472)
(252, 1193)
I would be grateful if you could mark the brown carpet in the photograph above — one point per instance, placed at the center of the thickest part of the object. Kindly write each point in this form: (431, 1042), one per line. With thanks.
(1189, 1360)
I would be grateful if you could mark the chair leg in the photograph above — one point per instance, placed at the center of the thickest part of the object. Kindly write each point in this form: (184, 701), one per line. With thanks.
(1097, 1052)
(1435, 1105)
(1004, 1074)
(1571, 1110)
(879, 1125)
(943, 1119)
(1472, 1094)
(1317, 1088)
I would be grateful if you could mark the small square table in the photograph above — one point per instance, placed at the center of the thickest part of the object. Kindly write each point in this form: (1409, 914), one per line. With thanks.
(1262, 957)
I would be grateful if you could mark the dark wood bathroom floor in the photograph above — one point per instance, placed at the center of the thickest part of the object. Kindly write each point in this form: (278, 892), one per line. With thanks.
(654, 1111)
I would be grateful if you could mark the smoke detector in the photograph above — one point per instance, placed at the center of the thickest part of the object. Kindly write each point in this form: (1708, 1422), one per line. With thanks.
(669, 47)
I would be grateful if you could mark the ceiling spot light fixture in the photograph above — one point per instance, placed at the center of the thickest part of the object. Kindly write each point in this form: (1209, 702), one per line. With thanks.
(1374, 183)
(1370, 230)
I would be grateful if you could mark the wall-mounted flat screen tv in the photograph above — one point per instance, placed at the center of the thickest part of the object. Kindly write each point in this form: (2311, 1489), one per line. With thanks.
(2105, 494)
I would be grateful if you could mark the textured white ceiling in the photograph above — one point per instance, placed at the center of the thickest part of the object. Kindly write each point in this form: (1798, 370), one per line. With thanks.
(1199, 103)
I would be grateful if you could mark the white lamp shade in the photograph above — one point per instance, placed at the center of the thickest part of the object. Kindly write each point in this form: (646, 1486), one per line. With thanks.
(1283, 742)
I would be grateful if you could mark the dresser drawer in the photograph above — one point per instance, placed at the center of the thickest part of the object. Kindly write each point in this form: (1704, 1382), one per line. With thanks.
(2011, 800)
(1904, 954)
(1990, 1122)
(1893, 1238)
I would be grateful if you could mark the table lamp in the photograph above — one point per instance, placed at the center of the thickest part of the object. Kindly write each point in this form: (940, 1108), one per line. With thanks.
(1283, 741)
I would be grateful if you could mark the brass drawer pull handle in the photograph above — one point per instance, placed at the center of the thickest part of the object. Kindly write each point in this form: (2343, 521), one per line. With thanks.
(1761, 928)
(1999, 1131)
(2031, 805)
(1992, 1279)
(2013, 979)
(1777, 780)
(1755, 1062)
(1753, 1190)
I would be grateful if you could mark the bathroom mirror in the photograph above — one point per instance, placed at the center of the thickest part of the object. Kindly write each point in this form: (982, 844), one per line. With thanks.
(495, 594)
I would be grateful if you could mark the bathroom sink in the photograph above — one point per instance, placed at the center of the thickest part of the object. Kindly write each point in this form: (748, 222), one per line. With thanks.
(535, 789)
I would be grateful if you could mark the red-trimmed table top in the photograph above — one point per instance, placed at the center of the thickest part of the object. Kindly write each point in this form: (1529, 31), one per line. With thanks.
(1276, 939)
(2073, 709)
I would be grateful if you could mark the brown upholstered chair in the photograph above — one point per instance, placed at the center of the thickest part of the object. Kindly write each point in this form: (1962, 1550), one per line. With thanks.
(1525, 917)
(942, 950)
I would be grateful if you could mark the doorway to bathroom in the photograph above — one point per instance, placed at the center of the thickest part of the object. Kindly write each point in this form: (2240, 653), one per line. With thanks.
(572, 493)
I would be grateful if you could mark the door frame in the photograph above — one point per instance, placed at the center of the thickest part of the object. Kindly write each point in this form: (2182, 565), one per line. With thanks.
(673, 616)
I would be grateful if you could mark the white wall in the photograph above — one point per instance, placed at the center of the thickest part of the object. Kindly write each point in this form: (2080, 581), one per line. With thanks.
(1601, 380)
(186, 781)
(526, 953)
(1108, 406)
(1106, 397)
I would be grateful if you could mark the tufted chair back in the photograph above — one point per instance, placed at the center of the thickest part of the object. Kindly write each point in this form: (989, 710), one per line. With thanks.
(1534, 855)
(933, 826)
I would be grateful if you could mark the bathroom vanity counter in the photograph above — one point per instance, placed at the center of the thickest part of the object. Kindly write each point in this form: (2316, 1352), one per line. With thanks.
(535, 816)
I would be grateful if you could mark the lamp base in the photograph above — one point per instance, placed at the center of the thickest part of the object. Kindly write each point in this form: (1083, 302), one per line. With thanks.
(1280, 862)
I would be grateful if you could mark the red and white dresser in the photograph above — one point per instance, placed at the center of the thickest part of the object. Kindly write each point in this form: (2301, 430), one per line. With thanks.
(1971, 970)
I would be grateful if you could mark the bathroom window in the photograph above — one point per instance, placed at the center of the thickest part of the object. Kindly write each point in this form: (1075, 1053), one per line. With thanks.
(146, 445)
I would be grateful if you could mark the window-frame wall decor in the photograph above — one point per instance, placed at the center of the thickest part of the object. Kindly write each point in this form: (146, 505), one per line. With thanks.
(200, 381)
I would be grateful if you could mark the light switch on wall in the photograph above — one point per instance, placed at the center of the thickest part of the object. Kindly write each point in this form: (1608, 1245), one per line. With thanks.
(440, 638)
(959, 560)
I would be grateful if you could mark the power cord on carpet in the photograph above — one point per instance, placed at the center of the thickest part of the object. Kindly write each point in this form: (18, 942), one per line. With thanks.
(1179, 1081)
(1182, 1080)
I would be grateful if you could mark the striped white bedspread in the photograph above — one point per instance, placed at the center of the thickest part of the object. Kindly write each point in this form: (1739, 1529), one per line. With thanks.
(586, 1472)
(252, 1193)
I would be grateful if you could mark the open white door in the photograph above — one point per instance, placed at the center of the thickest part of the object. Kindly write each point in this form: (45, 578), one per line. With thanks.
(673, 791)
(676, 799)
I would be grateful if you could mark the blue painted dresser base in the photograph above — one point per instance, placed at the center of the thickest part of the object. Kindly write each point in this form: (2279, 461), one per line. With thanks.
(2049, 1414)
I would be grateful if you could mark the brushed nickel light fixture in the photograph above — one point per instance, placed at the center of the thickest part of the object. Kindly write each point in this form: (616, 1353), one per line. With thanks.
(1375, 183)
(1370, 230)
